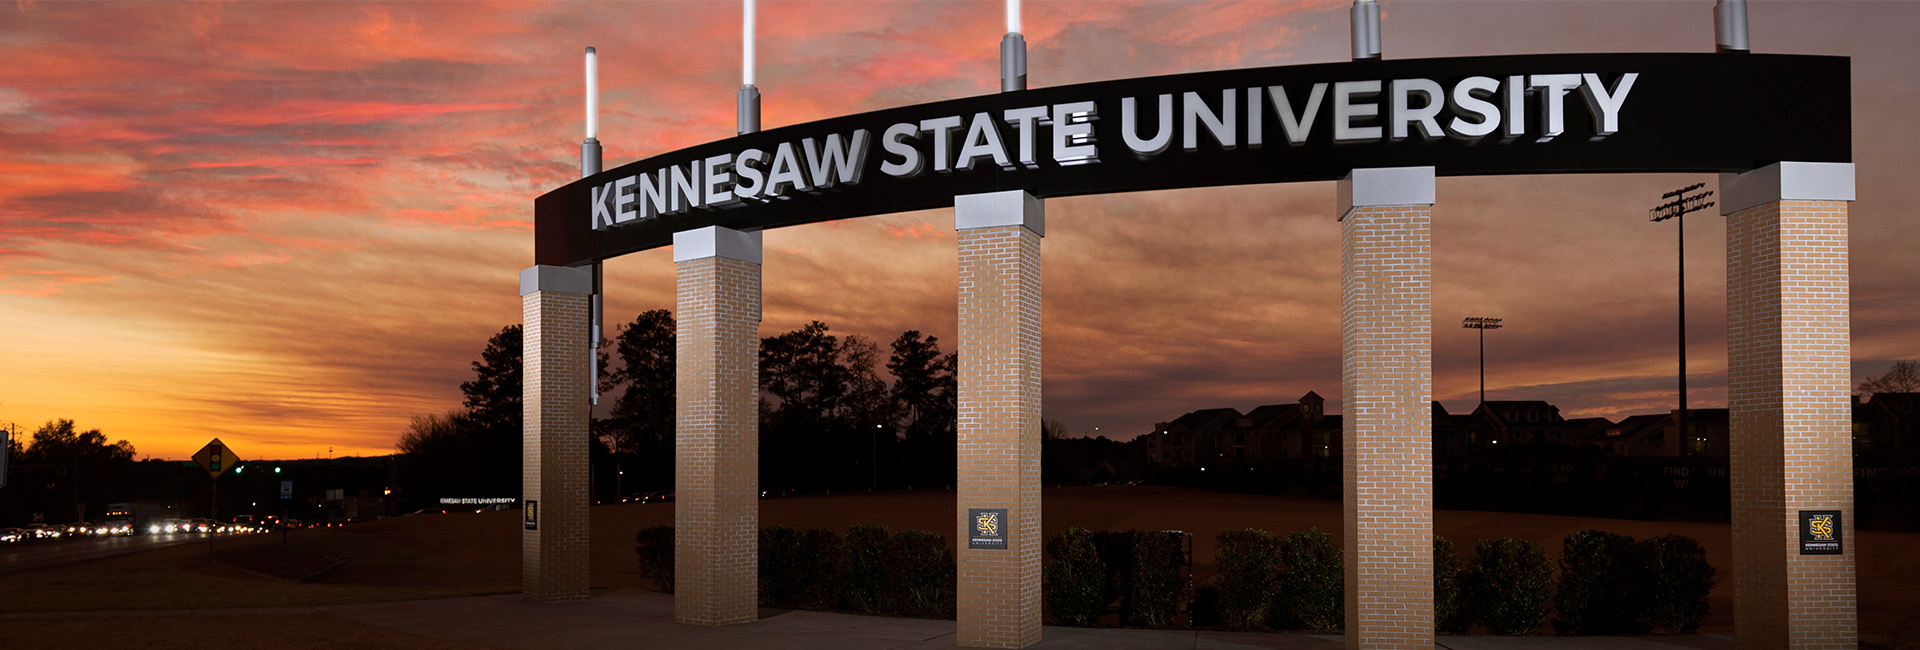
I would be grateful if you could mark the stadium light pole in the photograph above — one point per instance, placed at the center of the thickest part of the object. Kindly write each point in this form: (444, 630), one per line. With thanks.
(1677, 209)
(1483, 324)
(590, 162)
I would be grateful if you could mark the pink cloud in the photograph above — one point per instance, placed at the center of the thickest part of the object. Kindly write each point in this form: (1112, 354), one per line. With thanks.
(40, 284)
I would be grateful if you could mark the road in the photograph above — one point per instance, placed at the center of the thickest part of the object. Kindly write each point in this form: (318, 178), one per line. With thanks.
(23, 556)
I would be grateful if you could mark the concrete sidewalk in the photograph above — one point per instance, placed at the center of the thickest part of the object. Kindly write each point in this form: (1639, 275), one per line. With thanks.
(635, 618)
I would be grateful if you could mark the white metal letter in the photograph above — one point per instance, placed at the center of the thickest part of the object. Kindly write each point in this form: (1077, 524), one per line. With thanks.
(1129, 127)
(719, 180)
(1605, 102)
(911, 164)
(940, 127)
(1556, 87)
(1469, 98)
(1426, 117)
(1344, 111)
(1221, 126)
(743, 167)
(1073, 134)
(1297, 128)
(1028, 121)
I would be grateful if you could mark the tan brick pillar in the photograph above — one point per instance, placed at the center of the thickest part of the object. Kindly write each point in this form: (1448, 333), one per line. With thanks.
(1788, 382)
(999, 588)
(717, 437)
(553, 444)
(1386, 389)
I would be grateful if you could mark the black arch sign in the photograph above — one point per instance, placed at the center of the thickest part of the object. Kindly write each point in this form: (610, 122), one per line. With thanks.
(1463, 116)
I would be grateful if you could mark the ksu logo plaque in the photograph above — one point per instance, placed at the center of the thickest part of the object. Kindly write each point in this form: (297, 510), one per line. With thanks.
(1820, 532)
(988, 528)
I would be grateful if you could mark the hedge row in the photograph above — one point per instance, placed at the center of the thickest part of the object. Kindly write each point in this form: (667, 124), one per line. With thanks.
(872, 570)
(1607, 583)
(1288, 583)
(1087, 571)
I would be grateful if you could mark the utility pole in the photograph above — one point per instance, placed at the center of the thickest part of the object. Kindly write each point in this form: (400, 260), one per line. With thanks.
(1677, 209)
(1482, 324)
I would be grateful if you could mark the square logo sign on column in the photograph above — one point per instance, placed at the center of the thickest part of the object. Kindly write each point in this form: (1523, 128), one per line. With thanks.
(1820, 532)
(987, 528)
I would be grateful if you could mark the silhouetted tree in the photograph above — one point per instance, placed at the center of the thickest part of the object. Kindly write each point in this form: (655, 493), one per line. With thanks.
(642, 417)
(1903, 377)
(473, 452)
(59, 442)
(639, 430)
(493, 397)
(825, 413)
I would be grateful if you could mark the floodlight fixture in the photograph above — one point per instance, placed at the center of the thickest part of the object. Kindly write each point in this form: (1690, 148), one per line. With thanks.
(1483, 324)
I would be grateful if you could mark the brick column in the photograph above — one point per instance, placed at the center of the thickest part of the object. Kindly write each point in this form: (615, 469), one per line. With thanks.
(1386, 373)
(1788, 382)
(717, 427)
(553, 444)
(999, 589)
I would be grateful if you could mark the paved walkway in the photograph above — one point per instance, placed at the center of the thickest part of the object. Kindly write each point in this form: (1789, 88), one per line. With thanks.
(629, 618)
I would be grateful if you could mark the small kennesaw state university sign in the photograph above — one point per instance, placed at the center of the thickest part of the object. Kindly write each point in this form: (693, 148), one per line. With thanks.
(1820, 532)
(987, 528)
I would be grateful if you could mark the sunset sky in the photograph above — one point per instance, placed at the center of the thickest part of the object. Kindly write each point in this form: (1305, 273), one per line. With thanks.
(292, 226)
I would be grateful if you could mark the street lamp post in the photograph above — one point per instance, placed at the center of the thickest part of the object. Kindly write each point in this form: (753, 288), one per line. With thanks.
(1677, 209)
(1482, 324)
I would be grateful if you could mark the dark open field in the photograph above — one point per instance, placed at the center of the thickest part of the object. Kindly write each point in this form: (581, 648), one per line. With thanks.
(426, 556)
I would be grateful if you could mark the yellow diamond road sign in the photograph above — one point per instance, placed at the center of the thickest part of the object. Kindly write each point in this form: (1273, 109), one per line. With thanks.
(216, 458)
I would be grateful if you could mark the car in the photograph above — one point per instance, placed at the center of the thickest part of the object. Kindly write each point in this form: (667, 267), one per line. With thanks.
(42, 531)
(656, 496)
(11, 535)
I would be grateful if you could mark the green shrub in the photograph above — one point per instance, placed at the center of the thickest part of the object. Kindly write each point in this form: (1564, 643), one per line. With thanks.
(1678, 579)
(920, 575)
(654, 545)
(1601, 585)
(1076, 579)
(1246, 566)
(863, 581)
(1311, 584)
(1509, 584)
(1153, 586)
(1448, 615)
(799, 569)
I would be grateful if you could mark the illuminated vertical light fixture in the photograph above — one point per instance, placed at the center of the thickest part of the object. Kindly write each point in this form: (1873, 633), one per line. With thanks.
(1013, 52)
(1482, 324)
(1677, 209)
(590, 165)
(1366, 30)
(749, 100)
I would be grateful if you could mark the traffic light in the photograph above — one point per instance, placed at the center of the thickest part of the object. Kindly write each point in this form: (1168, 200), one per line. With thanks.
(239, 468)
(276, 470)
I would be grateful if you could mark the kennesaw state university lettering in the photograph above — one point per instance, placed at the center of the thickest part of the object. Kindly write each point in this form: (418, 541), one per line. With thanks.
(1012, 139)
(1561, 113)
